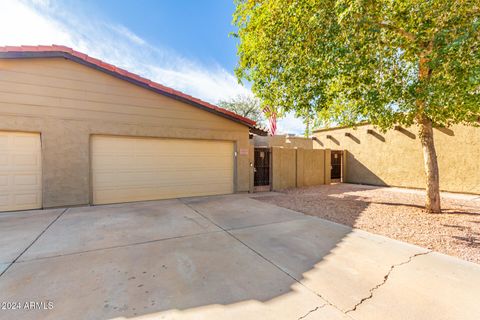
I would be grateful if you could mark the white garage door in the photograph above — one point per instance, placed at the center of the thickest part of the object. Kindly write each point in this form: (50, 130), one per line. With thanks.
(133, 169)
(20, 171)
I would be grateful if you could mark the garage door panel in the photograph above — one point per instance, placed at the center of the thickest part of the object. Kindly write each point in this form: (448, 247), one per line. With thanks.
(3, 180)
(26, 180)
(24, 160)
(134, 169)
(26, 199)
(163, 178)
(3, 142)
(103, 161)
(167, 192)
(24, 141)
(165, 162)
(20, 171)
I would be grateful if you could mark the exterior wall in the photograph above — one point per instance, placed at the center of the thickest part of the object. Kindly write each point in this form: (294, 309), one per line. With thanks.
(328, 166)
(284, 168)
(292, 168)
(310, 167)
(67, 103)
(283, 141)
(395, 158)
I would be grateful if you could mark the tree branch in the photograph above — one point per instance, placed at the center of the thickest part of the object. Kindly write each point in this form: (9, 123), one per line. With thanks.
(406, 34)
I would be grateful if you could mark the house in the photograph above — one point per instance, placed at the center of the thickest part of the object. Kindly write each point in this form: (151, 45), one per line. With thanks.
(75, 130)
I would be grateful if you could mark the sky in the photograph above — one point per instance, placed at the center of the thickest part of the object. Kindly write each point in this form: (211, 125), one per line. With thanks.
(183, 44)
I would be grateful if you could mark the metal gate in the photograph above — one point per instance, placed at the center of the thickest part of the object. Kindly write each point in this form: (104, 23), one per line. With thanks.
(261, 179)
(336, 162)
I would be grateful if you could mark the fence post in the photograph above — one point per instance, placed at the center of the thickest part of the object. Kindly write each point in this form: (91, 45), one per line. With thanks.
(251, 159)
(275, 168)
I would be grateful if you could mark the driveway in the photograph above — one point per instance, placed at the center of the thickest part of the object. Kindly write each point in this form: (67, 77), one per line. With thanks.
(223, 257)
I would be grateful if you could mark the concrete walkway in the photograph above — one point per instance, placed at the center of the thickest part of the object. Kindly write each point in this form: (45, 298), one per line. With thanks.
(224, 257)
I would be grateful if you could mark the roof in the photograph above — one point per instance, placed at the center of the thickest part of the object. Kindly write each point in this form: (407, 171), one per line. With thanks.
(56, 51)
(258, 130)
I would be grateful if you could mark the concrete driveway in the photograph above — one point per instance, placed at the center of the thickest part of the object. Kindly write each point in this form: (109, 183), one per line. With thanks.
(224, 257)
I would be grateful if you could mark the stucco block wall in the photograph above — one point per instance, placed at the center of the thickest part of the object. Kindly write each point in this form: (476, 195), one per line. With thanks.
(293, 168)
(310, 167)
(284, 168)
(67, 103)
(395, 158)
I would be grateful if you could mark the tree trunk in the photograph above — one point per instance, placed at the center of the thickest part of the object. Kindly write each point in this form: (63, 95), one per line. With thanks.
(432, 200)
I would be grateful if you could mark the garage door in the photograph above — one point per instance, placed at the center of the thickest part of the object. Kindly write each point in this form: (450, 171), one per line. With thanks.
(20, 171)
(133, 169)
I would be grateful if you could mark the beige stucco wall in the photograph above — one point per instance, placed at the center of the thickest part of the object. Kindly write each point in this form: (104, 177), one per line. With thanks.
(310, 167)
(293, 168)
(284, 168)
(395, 158)
(328, 166)
(67, 103)
(283, 141)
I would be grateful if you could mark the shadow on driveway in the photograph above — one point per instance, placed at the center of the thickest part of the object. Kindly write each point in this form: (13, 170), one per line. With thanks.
(219, 257)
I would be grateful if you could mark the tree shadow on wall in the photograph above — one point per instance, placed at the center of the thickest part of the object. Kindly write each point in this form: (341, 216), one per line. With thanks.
(363, 175)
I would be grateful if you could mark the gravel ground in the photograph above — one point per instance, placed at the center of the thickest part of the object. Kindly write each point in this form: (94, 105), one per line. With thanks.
(393, 212)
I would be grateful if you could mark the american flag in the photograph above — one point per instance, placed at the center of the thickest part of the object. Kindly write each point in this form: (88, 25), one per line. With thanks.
(272, 119)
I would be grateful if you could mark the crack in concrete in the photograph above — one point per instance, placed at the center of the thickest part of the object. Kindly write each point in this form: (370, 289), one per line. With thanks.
(385, 278)
(311, 311)
(320, 296)
(227, 231)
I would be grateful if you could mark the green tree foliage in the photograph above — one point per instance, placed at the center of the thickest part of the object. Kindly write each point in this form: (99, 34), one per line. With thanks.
(246, 106)
(382, 61)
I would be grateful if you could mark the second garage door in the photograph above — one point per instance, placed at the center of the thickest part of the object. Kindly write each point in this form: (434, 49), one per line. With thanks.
(20, 171)
(134, 169)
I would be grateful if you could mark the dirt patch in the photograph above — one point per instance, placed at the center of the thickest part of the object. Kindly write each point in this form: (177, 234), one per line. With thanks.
(395, 213)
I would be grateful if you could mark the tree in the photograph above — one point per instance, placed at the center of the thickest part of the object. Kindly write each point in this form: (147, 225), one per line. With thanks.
(244, 105)
(386, 62)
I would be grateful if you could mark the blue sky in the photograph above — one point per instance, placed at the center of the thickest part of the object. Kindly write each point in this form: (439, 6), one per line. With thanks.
(197, 29)
(183, 44)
